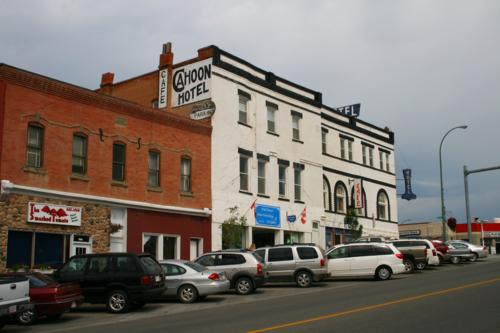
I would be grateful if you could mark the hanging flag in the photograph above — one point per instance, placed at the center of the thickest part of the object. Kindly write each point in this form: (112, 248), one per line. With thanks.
(253, 206)
(303, 216)
(358, 193)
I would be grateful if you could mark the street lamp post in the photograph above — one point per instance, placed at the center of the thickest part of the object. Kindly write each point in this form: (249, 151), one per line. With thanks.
(443, 211)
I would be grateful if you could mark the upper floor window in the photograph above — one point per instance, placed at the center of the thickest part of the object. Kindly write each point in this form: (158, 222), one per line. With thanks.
(326, 194)
(282, 179)
(79, 161)
(244, 173)
(185, 174)
(324, 133)
(119, 161)
(271, 117)
(340, 198)
(367, 154)
(34, 146)
(346, 148)
(382, 205)
(154, 168)
(261, 176)
(297, 175)
(384, 160)
(243, 107)
(296, 125)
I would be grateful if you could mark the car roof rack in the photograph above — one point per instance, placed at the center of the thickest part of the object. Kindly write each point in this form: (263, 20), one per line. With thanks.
(232, 250)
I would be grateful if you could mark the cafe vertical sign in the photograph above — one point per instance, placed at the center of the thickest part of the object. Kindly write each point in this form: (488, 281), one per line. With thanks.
(358, 193)
(162, 88)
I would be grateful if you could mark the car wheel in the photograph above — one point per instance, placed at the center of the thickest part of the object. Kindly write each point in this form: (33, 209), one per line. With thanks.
(27, 317)
(244, 286)
(421, 265)
(118, 301)
(409, 265)
(303, 279)
(455, 260)
(474, 257)
(187, 294)
(383, 273)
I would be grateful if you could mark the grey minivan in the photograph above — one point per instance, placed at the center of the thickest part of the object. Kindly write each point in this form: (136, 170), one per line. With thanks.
(302, 263)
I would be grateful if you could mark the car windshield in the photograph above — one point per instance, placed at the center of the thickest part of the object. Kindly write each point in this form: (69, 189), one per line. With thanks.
(39, 280)
(195, 266)
(150, 265)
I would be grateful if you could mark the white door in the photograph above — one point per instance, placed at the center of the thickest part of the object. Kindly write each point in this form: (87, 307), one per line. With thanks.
(194, 248)
(339, 261)
(363, 260)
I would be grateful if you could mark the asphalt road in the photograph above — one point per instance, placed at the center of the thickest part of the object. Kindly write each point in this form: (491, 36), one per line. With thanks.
(450, 298)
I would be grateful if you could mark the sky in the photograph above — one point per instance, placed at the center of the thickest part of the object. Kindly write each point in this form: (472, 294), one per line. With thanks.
(419, 67)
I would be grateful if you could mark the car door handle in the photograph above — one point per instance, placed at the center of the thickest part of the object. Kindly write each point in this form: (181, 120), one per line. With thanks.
(13, 286)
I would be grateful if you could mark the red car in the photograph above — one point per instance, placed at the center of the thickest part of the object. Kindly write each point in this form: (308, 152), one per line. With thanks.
(50, 298)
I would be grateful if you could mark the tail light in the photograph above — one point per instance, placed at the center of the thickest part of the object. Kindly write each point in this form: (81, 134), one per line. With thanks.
(399, 256)
(434, 253)
(259, 269)
(214, 277)
(322, 262)
(146, 280)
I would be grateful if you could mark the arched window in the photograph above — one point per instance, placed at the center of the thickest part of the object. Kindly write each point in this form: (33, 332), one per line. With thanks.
(383, 211)
(340, 198)
(327, 194)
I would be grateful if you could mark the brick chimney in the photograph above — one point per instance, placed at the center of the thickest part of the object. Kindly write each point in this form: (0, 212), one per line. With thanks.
(107, 83)
(166, 57)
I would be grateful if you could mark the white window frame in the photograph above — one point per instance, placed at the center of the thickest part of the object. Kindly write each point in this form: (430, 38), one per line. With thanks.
(243, 112)
(297, 185)
(284, 182)
(247, 158)
(271, 113)
(295, 127)
(159, 244)
(340, 198)
(261, 177)
(342, 147)
(324, 134)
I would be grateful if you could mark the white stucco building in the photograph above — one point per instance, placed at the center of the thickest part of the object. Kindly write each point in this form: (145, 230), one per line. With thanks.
(276, 145)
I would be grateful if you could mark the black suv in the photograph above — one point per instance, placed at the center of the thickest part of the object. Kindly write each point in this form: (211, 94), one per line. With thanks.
(120, 280)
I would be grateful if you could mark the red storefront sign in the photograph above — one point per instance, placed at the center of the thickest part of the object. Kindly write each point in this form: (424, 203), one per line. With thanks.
(54, 214)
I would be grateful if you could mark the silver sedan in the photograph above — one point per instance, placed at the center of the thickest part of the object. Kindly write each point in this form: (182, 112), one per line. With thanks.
(189, 281)
(476, 250)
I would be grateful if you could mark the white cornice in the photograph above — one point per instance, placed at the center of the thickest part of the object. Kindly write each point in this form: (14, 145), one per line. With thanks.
(9, 187)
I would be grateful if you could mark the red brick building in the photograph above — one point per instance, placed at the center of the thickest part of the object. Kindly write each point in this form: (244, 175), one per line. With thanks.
(84, 171)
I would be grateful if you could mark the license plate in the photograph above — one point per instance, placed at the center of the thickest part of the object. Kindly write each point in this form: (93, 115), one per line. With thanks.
(12, 309)
(157, 278)
(73, 305)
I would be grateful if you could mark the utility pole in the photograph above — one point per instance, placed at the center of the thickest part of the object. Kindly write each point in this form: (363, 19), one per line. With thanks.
(466, 184)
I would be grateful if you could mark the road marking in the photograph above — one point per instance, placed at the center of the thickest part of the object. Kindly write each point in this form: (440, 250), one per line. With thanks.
(375, 306)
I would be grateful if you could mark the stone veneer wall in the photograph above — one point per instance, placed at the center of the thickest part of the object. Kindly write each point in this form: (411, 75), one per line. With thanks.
(13, 216)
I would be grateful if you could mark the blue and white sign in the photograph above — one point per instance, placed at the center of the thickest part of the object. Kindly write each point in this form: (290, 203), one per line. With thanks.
(267, 216)
(291, 218)
(350, 110)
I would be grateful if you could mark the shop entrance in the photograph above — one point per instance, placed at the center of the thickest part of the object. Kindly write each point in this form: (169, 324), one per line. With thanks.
(263, 237)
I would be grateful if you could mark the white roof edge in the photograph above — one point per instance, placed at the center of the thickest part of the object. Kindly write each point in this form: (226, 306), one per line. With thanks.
(9, 187)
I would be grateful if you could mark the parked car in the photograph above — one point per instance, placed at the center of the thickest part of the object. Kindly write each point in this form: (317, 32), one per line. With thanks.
(451, 254)
(414, 254)
(49, 298)
(189, 281)
(302, 263)
(379, 260)
(477, 250)
(120, 280)
(242, 268)
(14, 291)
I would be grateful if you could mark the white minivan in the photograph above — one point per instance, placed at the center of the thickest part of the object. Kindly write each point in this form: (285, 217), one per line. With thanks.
(379, 260)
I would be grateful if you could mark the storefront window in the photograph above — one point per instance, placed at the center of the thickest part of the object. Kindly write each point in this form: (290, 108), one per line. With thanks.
(151, 245)
(292, 237)
(169, 247)
(49, 249)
